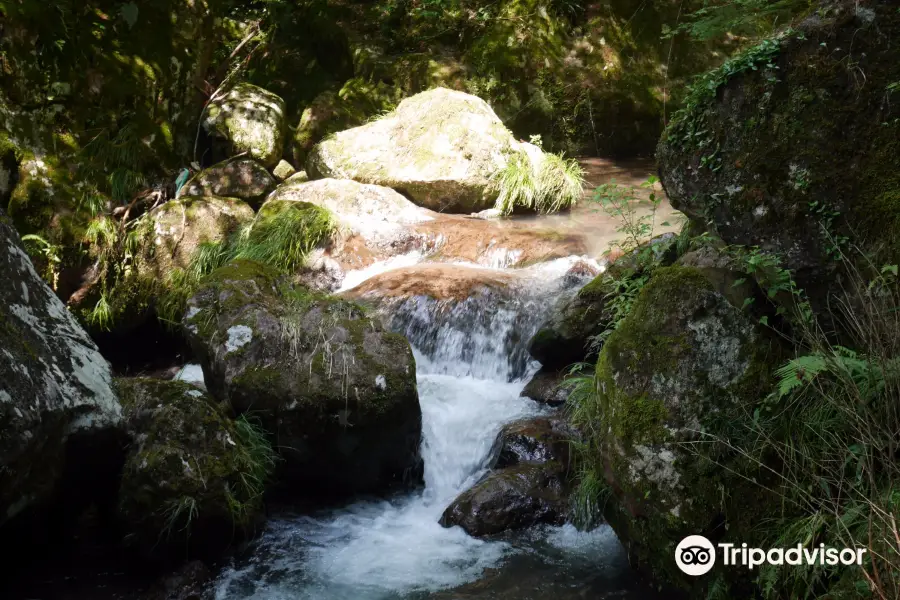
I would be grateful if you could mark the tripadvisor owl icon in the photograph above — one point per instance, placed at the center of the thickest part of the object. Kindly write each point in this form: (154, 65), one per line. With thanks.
(695, 555)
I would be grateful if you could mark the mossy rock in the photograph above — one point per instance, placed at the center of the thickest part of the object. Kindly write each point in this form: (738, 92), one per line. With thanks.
(441, 148)
(566, 337)
(685, 366)
(241, 178)
(193, 479)
(247, 119)
(788, 149)
(337, 391)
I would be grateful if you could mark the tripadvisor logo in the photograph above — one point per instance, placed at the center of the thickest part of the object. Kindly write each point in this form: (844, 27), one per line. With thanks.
(695, 555)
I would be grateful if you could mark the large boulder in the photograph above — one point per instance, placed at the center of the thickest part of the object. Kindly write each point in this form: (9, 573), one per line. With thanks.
(193, 478)
(241, 178)
(538, 440)
(59, 416)
(685, 366)
(792, 146)
(381, 217)
(337, 392)
(441, 148)
(247, 119)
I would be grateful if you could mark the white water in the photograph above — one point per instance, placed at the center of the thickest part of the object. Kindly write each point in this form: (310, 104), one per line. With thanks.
(392, 549)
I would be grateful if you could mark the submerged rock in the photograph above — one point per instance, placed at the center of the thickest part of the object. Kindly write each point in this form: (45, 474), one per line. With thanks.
(792, 152)
(436, 281)
(193, 479)
(59, 416)
(241, 178)
(441, 148)
(247, 119)
(337, 392)
(684, 366)
(514, 498)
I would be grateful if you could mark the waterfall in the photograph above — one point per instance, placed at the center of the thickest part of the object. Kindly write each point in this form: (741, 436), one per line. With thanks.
(471, 366)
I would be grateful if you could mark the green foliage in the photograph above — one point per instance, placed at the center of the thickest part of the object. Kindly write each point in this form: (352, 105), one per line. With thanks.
(284, 239)
(255, 461)
(556, 185)
(825, 440)
(121, 157)
(751, 18)
(777, 281)
(52, 254)
(621, 203)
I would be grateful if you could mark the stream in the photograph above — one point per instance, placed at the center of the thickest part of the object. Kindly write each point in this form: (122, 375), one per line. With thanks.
(471, 368)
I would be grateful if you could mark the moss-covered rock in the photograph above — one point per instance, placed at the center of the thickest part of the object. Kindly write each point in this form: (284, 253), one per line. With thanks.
(177, 229)
(441, 148)
(566, 337)
(194, 478)
(337, 392)
(247, 119)
(59, 416)
(791, 149)
(514, 498)
(685, 366)
(241, 178)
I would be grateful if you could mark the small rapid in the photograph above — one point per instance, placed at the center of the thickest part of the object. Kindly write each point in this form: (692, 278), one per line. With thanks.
(471, 367)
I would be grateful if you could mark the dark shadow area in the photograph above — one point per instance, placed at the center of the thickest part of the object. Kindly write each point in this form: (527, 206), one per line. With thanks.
(153, 348)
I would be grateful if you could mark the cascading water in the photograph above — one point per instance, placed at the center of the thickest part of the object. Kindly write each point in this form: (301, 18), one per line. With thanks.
(471, 367)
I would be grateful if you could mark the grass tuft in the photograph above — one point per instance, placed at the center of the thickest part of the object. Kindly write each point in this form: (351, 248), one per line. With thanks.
(555, 185)
(283, 237)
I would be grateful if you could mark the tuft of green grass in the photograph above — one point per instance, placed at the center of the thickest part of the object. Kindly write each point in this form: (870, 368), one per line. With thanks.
(556, 185)
(255, 461)
(284, 236)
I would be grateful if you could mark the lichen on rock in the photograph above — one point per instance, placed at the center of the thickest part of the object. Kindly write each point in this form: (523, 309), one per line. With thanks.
(336, 390)
(241, 178)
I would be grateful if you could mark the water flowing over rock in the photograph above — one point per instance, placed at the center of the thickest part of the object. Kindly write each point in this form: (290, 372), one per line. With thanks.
(59, 414)
(336, 391)
(547, 386)
(441, 148)
(455, 329)
(247, 119)
(241, 178)
(520, 496)
(798, 155)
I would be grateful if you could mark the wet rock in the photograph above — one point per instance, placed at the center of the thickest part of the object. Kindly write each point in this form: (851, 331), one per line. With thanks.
(539, 440)
(805, 161)
(241, 178)
(193, 479)
(187, 583)
(441, 148)
(684, 361)
(566, 338)
(60, 420)
(547, 387)
(437, 281)
(336, 390)
(515, 498)
(247, 119)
